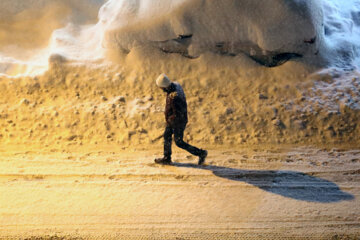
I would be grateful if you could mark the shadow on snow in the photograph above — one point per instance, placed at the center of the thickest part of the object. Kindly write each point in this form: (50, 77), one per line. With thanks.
(291, 184)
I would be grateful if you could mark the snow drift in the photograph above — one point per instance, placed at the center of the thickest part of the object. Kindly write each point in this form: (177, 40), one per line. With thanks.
(342, 31)
(270, 32)
(246, 66)
(27, 31)
(267, 31)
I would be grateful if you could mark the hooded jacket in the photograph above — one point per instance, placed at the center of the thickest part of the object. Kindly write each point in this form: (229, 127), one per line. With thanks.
(176, 107)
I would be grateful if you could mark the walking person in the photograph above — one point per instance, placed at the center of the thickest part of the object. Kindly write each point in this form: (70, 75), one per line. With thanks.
(176, 120)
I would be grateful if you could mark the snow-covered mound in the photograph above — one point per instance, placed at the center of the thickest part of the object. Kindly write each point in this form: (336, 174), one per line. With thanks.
(342, 31)
(268, 31)
(27, 31)
(227, 55)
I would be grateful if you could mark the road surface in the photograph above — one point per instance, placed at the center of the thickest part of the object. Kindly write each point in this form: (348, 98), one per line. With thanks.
(102, 193)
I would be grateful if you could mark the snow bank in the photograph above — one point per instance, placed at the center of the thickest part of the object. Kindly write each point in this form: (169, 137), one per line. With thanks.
(28, 25)
(268, 31)
(263, 30)
(342, 31)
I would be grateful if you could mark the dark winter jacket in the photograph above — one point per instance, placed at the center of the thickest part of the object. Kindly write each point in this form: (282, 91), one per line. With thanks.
(176, 107)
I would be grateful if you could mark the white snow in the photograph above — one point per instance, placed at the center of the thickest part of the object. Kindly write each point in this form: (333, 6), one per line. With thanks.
(268, 25)
(342, 30)
(253, 27)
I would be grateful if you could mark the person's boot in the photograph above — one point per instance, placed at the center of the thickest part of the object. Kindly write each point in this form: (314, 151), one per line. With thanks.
(202, 157)
(164, 160)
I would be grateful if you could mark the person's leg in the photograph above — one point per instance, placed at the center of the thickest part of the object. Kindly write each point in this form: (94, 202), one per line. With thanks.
(167, 147)
(167, 142)
(178, 137)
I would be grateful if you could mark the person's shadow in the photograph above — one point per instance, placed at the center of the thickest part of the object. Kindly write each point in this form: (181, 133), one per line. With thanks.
(291, 184)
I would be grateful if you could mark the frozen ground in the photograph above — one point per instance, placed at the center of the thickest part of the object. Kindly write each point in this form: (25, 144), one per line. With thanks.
(246, 193)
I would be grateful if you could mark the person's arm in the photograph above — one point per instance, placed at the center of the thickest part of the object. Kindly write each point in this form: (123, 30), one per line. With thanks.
(177, 109)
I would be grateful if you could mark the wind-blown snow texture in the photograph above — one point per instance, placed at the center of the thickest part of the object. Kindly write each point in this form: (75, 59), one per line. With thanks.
(264, 30)
(342, 30)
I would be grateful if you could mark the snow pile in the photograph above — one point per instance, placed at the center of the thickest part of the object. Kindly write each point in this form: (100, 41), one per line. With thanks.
(27, 37)
(266, 31)
(269, 32)
(342, 31)
(334, 90)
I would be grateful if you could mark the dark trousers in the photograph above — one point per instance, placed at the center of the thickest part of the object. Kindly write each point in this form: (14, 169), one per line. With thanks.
(178, 137)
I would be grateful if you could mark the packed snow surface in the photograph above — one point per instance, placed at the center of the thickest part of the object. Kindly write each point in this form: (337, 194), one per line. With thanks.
(82, 31)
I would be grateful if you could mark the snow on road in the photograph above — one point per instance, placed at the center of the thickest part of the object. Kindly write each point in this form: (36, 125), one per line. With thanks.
(249, 193)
